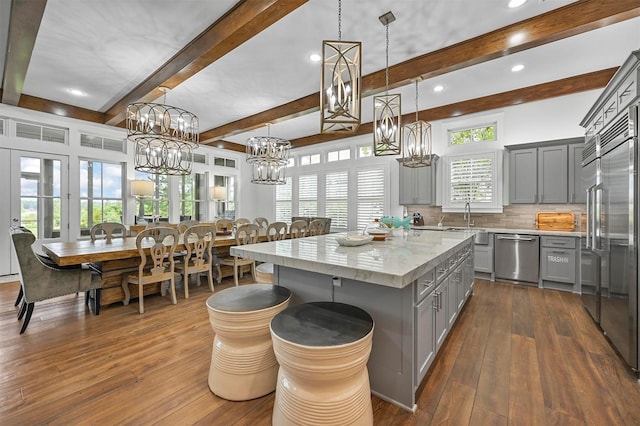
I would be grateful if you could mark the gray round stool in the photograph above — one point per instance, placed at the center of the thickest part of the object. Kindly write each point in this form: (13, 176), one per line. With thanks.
(243, 365)
(323, 349)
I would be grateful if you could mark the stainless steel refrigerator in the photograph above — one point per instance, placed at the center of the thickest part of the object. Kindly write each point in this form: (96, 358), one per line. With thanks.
(609, 259)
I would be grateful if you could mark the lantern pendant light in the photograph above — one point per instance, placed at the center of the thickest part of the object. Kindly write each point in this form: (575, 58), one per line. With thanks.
(417, 141)
(387, 130)
(268, 157)
(340, 99)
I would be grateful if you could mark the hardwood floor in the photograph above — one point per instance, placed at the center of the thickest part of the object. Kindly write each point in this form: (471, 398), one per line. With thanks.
(518, 355)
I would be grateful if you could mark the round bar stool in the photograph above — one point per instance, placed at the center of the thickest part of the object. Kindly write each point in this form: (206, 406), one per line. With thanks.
(322, 348)
(243, 365)
(264, 273)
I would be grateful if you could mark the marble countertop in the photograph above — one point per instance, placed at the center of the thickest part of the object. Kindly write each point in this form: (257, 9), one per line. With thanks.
(576, 234)
(395, 262)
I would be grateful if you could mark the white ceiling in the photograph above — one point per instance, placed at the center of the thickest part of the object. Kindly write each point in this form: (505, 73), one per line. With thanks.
(107, 48)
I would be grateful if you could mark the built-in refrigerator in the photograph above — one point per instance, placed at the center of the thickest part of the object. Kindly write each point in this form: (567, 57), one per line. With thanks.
(609, 259)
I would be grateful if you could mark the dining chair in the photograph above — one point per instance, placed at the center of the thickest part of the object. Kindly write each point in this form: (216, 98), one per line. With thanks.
(264, 271)
(183, 225)
(40, 281)
(224, 225)
(261, 222)
(107, 230)
(298, 229)
(239, 222)
(198, 241)
(245, 234)
(160, 256)
(316, 227)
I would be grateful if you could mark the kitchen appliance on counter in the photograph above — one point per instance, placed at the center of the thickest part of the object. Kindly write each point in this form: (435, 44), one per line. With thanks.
(418, 220)
(517, 257)
(609, 259)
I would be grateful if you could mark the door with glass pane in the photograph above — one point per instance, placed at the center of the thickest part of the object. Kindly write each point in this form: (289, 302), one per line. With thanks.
(39, 200)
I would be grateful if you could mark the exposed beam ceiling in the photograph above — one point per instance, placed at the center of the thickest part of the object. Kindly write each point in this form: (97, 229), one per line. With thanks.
(26, 16)
(245, 20)
(557, 24)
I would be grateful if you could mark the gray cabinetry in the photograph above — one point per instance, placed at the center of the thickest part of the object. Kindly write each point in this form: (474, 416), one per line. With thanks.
(558, 266)
(417, 185)
(483, 258)
(425, 340)
(577, 190)
(546, 172)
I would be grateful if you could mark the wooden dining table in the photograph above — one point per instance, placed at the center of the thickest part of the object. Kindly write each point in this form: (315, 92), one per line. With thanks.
(121, 257)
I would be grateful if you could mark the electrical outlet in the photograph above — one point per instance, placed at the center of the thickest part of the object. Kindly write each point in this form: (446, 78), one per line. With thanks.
(337, 281)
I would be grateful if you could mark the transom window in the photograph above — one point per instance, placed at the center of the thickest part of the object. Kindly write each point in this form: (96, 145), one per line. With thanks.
(483, 133)
(342, 154)
(43, 133)
(100, 142)
(306, 160)
(365, 151)
(225, 162)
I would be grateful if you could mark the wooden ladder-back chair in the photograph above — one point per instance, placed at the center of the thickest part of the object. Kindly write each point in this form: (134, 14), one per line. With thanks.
(245, 234)
(161, 259)
(108, 230)
(40, 281)
(198, 240)
(298, 229)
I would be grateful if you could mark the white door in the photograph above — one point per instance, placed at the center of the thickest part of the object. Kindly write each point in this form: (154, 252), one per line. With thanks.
(38, 198)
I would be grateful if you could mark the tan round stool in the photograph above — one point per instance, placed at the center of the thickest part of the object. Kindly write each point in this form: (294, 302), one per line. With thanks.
(264, 273)
(322, 348)
(243, 365)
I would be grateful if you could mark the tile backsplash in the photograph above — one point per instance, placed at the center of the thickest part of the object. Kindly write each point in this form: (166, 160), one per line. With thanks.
(519, 216)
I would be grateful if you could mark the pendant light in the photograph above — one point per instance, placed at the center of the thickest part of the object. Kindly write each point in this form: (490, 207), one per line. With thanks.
(417, 147)
(340, 99)
(268, 157)
(387, 131)
(164, 136)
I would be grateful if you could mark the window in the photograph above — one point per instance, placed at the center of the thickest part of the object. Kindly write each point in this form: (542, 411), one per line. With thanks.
(283, 202)
(102, 143)
(343, 154)
(291, 162)
(192, 196)
(160, 205)
(473, 178)
(202, 159)
(365, 151)
(305, 160)
(370, 196)
(100, 193)
(337, 199)
(484, 133)
(225, 204)
(308, 195)
(48, 134)
(225, 162)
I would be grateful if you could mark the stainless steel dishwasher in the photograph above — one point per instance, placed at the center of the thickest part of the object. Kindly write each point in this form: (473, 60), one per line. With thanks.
(517, 257)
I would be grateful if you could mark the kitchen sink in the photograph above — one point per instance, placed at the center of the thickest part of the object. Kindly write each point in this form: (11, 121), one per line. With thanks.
(481, 236)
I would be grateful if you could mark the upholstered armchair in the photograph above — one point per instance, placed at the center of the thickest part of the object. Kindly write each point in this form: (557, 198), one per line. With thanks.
(40, 281)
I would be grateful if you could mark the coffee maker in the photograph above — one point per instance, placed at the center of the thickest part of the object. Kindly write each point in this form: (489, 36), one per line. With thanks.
(418, 220)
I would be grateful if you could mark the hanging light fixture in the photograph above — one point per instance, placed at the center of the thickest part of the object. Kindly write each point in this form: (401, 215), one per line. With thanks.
(165, 137)
(417, 141)
(340, 99)
(387, 133)
(268, 157)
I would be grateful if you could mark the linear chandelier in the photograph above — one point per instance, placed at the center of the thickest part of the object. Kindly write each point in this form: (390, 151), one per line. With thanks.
(340, 99)
(417, 141)
(268, 157)
(387, 134)
(164, 136)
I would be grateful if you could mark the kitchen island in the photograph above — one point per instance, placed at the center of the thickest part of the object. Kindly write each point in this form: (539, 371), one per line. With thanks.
(412, 284)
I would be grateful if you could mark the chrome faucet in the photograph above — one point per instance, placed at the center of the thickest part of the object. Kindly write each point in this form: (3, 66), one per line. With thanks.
(467, 214)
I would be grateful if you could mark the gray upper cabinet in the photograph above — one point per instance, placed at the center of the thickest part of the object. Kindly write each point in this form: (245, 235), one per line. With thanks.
(546, 172)
(418, 185)
(577, 190)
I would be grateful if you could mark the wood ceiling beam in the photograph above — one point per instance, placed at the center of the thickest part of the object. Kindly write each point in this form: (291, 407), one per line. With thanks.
(538, 92)
(247, 19)
(575, 18)
(24, 24)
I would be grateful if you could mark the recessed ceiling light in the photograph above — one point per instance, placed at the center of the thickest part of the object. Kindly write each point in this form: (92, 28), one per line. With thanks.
(314, 57)
(517, 68)
(438, 88)
(516, 3)
(76, 92)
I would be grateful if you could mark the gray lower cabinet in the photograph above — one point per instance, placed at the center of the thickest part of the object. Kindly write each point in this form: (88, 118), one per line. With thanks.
(558, 262)
(417, 185)
(425, 340)
(483, 257)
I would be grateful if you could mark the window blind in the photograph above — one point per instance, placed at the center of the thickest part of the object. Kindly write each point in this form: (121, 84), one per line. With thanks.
(283, 202)
(370, 196)
(471, 180)
(308, 195)
(337, 199)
